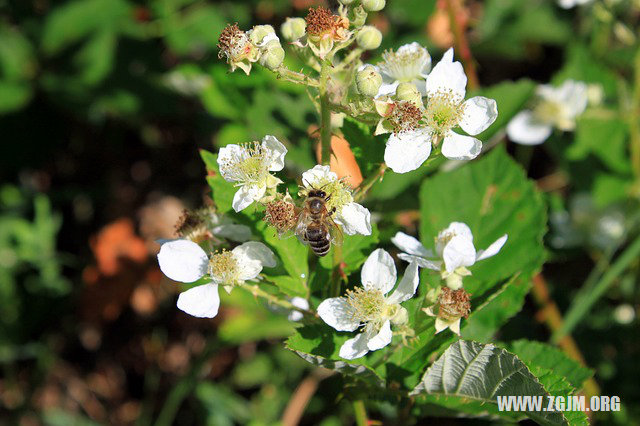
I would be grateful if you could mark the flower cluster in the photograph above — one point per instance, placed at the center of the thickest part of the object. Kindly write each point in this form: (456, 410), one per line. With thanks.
(554, 108)
(241, 49)
(417, 125)
(453, 254)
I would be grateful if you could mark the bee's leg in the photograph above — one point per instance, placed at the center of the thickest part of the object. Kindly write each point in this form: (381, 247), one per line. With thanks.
(333, 210)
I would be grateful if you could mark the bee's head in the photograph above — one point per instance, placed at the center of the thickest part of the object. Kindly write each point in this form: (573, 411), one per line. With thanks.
(317, 193)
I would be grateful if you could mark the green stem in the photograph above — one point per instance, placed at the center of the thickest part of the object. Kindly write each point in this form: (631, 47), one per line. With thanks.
(271, 298)
(353, 55)
(360, 413)
(366, 185)
(185, 386)
(296, 77)
(581, 306)
(325, 115)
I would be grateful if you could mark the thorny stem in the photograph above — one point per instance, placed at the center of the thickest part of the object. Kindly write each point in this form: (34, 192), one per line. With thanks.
(325, 115)
(366, 185)
(258, 292)
(360, 413)
(462, 44)
(296, 77)
(553, 318)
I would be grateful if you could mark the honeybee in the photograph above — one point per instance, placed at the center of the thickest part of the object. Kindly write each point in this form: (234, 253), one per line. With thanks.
(315, 226)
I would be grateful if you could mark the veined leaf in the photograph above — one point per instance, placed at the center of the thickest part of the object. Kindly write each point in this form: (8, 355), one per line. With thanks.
(484, 372)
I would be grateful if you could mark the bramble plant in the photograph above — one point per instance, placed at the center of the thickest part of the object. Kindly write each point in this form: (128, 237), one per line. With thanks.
(401, 116)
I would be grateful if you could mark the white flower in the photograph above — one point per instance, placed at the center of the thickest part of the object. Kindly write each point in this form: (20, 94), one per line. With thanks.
(454, 252)
(568, 4)
(249, 165)
(555, 107)
(410, 63)
(186, 261)
(369, 305)
(449, 309)
(298, 302)
(351, 216)
(444, 110)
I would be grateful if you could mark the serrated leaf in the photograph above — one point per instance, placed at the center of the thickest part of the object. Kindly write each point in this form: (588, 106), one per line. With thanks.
(550, 357)
(483, 372)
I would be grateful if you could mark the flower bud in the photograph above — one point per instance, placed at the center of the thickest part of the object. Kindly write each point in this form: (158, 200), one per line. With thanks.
(259, 32)
(409, 92)
(368, 81)
(357, 16)
(272, 55)
(373, 5)
(293, 28)
(346, 2)
(400, 317)
(369, 37)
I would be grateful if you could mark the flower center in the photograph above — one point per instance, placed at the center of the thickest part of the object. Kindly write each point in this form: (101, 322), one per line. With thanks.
(223, 267)
(248, 165)
(406, 116)
(281, 215)
(453, 304)
(444, 111)
(322, 23)
(338, 193)
(194, 225)
(548, 112)
(233, 43)
(406, 64)
(366, 305)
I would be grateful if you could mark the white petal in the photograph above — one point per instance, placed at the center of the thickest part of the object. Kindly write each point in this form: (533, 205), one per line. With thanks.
(493, 249)
(354, 219)
(183, 260)
(387, 89)
(479, 113)
(277, 150)
(298, 302)
(447, 76)
(407, 286)
(337, 313)
(574, 96)
(429, 311)
(232, 232)
(525, 130)
(255, 250)
(422, 262)
(379, 272)
(411, 245)
(356, 347)
(229, 154)
(458, 252)
(459, 147)
(317, 174)
(458, 228)
(406, 151)
(382, 339)
(202, 301)
(246, 195)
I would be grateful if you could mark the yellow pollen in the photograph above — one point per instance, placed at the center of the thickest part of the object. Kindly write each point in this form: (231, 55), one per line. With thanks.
(444, 111)
(366, 305)
(337, 191)
(224, 267)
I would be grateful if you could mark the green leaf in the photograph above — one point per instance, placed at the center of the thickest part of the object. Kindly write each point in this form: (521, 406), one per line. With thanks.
(291, 286)
(484, 372)
(581, 65)
(549, 357)
(589, 139)
(511, 97)
(96, 57)
(293, 255)
(318, 345)
(14, 96)
(355, 250)
(75, 20)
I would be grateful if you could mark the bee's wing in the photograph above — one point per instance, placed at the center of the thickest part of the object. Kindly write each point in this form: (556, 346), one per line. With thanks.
(336, 235)
(292, 231)
(304, 218)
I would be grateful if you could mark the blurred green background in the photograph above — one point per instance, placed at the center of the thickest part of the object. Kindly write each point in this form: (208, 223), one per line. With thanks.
(103, 107)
